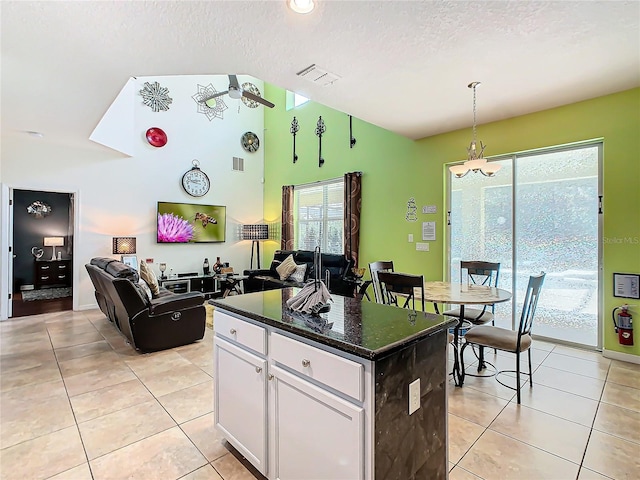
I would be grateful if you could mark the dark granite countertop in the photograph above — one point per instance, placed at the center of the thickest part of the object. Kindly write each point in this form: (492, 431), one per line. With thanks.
(362, 328)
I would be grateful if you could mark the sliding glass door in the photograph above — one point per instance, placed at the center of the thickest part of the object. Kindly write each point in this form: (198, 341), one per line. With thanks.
(539, 213)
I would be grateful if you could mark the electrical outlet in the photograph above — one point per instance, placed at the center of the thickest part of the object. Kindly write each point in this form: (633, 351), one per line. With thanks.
(414, 396)
(422, 247)
(410, 237)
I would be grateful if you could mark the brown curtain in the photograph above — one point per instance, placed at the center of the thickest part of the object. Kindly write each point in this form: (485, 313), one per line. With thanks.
(352, 209)
(286, 242)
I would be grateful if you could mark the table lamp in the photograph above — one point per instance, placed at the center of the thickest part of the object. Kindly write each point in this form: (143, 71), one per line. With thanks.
(53, 242)
(124, 245)
(255, 233)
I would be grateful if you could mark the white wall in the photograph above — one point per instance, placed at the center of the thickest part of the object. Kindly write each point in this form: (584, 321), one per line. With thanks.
(118, 195)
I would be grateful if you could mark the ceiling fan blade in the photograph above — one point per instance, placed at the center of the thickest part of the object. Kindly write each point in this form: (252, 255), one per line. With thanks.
(258, 99)
(233, 82)
(215, 95)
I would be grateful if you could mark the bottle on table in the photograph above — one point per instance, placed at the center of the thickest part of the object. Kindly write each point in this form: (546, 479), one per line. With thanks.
(205, 267)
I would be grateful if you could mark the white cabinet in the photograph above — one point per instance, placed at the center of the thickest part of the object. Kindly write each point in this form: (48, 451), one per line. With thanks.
(294, 410)
(240, 400)
(317, 434)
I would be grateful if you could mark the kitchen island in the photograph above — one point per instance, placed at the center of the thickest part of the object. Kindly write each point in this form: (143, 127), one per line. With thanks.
(329, 396)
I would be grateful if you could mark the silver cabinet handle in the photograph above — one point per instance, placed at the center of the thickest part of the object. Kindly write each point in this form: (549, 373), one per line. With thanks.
(271, 376)
(305, 362)
(258, 369)
(232, 331)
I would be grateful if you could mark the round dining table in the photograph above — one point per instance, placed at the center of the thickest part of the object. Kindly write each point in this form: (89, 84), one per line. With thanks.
(462, 294)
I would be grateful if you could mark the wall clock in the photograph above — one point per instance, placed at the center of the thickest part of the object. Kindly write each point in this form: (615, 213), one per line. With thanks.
(195, 182)
(250, 142)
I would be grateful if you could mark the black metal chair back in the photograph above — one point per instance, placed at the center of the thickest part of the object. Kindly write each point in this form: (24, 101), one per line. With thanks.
(530, 305)
(374, 268)
(403, 285)
(481, 273)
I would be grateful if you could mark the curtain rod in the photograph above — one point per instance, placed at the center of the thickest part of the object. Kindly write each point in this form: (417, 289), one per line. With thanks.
(319, 182)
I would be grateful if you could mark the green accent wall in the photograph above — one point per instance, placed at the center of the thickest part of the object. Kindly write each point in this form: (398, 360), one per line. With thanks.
(396, 168)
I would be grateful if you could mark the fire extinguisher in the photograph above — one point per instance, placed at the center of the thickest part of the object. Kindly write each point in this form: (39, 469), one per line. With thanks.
(623, 325)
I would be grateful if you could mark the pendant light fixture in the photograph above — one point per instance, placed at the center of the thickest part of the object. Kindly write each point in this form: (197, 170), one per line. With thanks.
(475, 161)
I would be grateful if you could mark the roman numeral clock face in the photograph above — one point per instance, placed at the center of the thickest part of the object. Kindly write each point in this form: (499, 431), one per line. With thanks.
(195, 182)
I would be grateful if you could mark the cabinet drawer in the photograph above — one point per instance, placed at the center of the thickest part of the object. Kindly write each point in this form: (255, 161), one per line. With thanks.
(337, 372)
(244, 333)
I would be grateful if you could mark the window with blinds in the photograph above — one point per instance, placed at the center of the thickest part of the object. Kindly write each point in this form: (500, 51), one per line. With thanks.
(319, 216)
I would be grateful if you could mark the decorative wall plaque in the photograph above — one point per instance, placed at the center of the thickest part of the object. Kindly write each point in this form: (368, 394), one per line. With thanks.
(320, 129)
(294, 130)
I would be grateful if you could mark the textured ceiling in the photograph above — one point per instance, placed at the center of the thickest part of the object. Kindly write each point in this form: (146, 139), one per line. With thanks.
(404, 65)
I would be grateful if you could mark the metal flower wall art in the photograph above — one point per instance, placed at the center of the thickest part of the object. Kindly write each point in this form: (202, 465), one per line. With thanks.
(210, 107)
(251, 88)
(156, 97)
(172, 229)
(39, 209)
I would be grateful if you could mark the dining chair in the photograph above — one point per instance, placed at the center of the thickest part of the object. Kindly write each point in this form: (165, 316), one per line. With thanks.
(402, 285)
(508, 340)
(374, 268)
(478, 273)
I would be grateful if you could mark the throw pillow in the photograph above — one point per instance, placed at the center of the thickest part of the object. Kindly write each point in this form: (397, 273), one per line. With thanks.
(286, 268)
(148, 276)
(298, 274)
(147, 291)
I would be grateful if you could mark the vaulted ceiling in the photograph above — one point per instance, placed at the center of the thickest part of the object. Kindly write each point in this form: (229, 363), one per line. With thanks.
(403, 65)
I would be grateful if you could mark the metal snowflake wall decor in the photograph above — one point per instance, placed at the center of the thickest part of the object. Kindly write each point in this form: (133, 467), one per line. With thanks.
(205, 92)
(251, 88)
(156, 97)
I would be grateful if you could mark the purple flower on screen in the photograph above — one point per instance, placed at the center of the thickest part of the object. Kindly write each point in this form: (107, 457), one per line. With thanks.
(174, 229)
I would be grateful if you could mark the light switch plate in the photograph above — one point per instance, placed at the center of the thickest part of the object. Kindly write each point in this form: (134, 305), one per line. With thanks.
(414, 396)
(422, 247)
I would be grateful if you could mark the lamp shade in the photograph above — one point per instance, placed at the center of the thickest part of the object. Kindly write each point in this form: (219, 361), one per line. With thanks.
(124, 245)
(53, 241)
(255, 232)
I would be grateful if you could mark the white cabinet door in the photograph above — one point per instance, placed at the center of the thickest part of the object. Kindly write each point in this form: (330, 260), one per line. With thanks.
(240, 401)
(317, 434)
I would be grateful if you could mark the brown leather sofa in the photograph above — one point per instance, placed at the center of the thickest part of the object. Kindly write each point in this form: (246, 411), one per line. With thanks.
(338, 268)
(171, 320)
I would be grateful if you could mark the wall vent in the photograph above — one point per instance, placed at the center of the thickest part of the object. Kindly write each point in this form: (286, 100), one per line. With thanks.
(238, 164)
(318, 75)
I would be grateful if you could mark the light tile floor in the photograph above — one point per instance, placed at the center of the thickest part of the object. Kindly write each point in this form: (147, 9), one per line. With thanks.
(78, 403)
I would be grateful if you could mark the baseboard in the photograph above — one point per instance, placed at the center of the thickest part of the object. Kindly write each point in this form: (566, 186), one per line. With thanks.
(91, 306)
(624, 357)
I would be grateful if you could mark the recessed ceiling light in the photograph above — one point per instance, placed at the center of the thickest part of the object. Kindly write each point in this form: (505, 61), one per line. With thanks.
(301, 6)
(34, 133)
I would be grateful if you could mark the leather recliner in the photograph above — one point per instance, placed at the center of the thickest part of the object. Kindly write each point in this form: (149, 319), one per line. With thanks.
(169, 321)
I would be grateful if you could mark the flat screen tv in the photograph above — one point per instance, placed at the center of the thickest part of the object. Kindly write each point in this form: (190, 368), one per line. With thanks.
(191, 223)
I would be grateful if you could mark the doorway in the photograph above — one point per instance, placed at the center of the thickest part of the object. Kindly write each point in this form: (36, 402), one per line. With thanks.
(42, 244)
(539, 213)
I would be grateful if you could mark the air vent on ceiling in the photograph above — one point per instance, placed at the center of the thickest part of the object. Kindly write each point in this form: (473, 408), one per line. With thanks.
(238, 164)
(318, 75)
